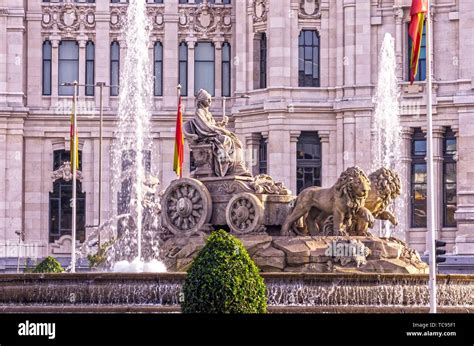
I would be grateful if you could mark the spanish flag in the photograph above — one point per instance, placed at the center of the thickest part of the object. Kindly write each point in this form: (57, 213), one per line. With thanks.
(419, 8)
(179, 143)
(73, 142)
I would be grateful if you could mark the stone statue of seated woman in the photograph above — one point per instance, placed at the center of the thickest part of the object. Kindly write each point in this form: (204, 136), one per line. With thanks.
(227, 153)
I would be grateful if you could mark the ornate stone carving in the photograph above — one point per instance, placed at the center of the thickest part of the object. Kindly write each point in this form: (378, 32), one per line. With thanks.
(64, 172)
(344, 201)
(205, 20)
(309, 9)
(118, 15)
(244, 213)
(156, 17)
(186, 206)
(68, 17)
(260, 11)
(265, 184)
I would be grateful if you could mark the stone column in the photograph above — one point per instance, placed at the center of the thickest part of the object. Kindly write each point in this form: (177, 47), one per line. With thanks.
(218, 66)
(3, 57)
(399, 23)
(277, 42)
(362, 32)
(349, 140)
(252, 154)
(34, 70)
(82, 41)
(279, 154)
(332, 159)
(54, 71)
(15, 59)
(170, 54)
(324, 138)
(438, 135)
(349, 46)
(294, 136)
(191, 45)
(466, 46)
(3, 168)
(465, 212)
(13, 197)
(405, 177)
(102, 52)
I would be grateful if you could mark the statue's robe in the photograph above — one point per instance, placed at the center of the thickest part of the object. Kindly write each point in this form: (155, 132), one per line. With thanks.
(227, 148)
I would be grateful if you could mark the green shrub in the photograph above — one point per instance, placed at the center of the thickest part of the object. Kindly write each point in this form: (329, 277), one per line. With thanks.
(49, 265)
(224, 279)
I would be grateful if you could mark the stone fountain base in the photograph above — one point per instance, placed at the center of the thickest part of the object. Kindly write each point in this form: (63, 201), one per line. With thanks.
(310, 254)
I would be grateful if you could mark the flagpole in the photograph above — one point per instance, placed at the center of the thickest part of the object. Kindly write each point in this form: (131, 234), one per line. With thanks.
(179, 110)
(74, 173)
(430, 192)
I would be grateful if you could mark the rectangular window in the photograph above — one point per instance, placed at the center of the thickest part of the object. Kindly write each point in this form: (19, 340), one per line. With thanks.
(308, 161)
(183, 68)
(263, 61)
(262, 156)
(204, 67)
(308, 53)
(68, 66)
(114, 68)
(90, 57)
(449, 179)
(226, 69)
(47, 53)
(421, 73)
(158, 69)
(418, 180)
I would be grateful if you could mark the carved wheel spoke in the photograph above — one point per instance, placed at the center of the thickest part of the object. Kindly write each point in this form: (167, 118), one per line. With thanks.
(244, 213)
(187, 206)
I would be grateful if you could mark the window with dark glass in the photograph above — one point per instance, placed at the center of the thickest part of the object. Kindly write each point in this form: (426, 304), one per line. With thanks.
(68, 66)
(47, 54)
(263, 61)
(308, 65)
(114, 68)
(183, 68)
(308, 161)
(204, 67)
(418, 180)
(421, 73)
(60, 211)
(86, 1)
(449, 178)
(90, 57)
(262, 156)
(158, 69)
(226, 69)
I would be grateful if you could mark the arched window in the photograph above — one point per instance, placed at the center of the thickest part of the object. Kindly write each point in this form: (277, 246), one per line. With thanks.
(308, 59)
(158, 69)
(226, 69)
(68, 66)
(449, 178)
(308, 161)
(90, 57)
(204, 67)
(60, 211)
(114, 68)
(47, 54)
(183, 68)
(418, 179)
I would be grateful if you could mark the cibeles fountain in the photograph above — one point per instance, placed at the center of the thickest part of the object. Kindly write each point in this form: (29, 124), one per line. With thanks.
(319, 251)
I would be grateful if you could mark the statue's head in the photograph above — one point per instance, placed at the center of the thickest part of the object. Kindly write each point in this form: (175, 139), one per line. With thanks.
(204, 98)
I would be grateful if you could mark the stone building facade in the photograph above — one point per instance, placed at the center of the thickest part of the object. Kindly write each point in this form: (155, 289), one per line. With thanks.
(299, 75)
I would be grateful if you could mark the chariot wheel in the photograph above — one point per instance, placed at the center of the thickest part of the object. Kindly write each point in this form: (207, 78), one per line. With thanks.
(244, 213)
(186, 206)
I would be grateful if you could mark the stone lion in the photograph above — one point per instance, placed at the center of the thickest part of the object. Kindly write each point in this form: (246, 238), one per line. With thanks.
(344, 200)
(385, 187)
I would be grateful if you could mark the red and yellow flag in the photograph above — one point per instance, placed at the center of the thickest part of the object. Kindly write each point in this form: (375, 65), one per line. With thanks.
(418, 10)
(179, 143)
(73, 143)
